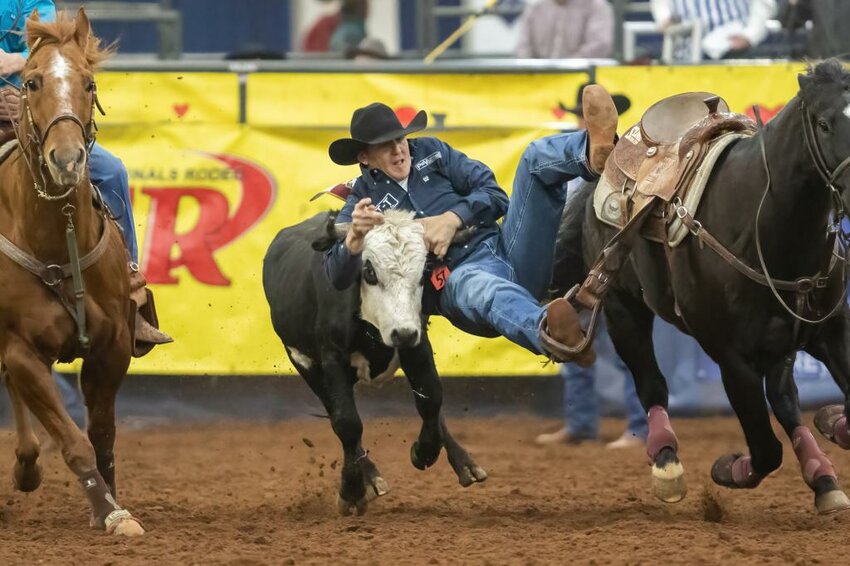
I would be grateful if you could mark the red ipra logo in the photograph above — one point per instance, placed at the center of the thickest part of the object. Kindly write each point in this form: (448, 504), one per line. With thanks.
(215, 226)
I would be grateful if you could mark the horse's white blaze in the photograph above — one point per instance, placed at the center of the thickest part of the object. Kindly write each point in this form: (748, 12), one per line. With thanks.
(396, 250)
(300, 359)
(61, 71)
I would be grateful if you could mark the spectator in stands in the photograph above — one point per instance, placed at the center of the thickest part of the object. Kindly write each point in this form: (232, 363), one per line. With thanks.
(828, 36)
(730, 28)
(581, 406)
(352, 25)
(370, 49)
(553, 29)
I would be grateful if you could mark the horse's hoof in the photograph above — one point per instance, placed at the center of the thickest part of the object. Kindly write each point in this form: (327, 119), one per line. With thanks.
(346, 507)
(122, 523)
(668, 482)
(27, 478)
(831, 502)
(421, 463)
(832, 424)
(376, 487)
(735, 471)
(470, 474)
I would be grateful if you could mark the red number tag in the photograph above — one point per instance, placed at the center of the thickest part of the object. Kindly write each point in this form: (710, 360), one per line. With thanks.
(439, 277)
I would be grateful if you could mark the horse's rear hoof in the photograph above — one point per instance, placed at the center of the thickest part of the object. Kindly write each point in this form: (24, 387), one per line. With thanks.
(27, 478)
(735, 471)
(346, 507)
(668, 482)
(832, 424)
(832, 502)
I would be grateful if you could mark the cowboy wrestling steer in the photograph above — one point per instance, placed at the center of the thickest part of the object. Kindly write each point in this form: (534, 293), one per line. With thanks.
(336, 337)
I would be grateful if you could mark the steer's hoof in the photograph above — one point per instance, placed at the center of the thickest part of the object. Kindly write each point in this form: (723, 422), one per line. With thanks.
(345, 508)
(831, 502)
(419, 461)
(376, 487)
(668, 482)
(26, 478)
(470, 474)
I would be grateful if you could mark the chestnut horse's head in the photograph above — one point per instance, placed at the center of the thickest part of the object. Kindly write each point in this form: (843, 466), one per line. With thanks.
(58, 95)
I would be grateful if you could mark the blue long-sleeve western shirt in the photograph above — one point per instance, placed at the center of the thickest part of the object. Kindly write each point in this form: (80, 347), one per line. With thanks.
(441, 179)
(13, 19)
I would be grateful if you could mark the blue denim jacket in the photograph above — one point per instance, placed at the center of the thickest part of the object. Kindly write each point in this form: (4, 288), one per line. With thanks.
(13, 20)
(441, 179)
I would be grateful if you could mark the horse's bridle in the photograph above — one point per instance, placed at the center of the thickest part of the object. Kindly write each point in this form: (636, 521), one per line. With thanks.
(37, 138)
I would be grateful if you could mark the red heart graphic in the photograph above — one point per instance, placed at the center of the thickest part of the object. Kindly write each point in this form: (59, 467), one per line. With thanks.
(767, 114)
(181, 109)
(405, 114)
(558, 112)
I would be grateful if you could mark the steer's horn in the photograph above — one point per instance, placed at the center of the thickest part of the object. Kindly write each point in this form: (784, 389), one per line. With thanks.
(341, 230)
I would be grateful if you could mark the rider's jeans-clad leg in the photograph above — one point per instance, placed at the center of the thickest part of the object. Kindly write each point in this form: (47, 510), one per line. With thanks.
(497, 289)
(110, 176)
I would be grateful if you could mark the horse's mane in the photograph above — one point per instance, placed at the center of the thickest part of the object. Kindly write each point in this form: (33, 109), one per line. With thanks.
(62, 31)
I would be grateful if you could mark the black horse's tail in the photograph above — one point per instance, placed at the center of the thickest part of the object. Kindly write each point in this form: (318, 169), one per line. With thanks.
(568, 267)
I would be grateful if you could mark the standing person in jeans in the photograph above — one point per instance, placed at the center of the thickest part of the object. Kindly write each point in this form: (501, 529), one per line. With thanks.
(498, 277)
(581, 404)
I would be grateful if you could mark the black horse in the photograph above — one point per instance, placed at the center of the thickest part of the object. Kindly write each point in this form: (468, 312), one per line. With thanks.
(793, 214)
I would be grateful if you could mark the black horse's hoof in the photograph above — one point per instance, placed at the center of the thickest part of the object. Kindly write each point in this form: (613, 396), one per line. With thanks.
(419, 461)
(735, 471)
(832, 424)
(345, 507)
(471, 473)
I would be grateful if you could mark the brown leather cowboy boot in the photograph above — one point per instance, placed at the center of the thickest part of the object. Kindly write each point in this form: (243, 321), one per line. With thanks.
(146, 333)
(600, 116)
(564, 326)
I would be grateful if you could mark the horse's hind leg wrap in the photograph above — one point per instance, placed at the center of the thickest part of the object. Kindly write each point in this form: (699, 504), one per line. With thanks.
(813, 462)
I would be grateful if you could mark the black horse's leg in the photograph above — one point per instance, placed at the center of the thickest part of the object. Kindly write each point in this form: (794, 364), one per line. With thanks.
(817, 470)
(745, 390)
(630, 327)
(373, 483)
(418, 365)
(831, 345)
(338, 388)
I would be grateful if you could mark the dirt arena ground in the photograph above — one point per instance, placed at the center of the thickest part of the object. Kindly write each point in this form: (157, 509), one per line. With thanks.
(258, 494)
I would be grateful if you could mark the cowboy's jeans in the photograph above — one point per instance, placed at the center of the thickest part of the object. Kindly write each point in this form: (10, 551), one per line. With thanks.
(110, 176)
(497, 289)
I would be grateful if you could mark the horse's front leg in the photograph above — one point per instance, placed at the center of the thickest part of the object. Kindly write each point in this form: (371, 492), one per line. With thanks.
(831, 345)
(418, 365)
(30, 376)
(818, 472)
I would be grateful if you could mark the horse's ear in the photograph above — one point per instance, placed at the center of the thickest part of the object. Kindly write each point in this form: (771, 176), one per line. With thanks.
(803, 80)
(81, 35)
(35, 19)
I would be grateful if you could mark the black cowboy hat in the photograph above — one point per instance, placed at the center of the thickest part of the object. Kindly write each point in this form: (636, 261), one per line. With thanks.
(621, 102)
(376, 123)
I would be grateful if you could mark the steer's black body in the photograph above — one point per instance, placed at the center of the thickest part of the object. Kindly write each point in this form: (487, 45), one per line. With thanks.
(321, 330)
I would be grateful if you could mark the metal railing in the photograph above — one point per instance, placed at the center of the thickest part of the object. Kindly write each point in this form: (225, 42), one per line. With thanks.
(168, 21)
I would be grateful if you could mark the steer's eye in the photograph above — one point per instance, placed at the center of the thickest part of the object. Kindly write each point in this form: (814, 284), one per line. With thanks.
(369, 275)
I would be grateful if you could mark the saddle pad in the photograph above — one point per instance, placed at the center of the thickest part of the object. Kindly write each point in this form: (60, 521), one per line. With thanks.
(608, 200)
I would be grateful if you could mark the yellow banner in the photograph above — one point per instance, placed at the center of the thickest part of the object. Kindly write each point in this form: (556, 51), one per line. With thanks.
(210, 194)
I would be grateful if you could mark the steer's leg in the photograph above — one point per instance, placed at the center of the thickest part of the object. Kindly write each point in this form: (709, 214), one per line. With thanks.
(338, 397)
(418, 365)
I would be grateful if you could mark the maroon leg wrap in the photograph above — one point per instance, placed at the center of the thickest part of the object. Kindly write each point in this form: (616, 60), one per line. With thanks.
(660, 435)
(813, 462)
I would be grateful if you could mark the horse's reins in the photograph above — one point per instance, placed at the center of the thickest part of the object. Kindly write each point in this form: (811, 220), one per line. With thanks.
(52, 275)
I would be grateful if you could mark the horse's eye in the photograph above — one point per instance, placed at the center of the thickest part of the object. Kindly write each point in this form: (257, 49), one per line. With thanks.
(823, 125)
(369, 275)
(90, 86)
(31, 85)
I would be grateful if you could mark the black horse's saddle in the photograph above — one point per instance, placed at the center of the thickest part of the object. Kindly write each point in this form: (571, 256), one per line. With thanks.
(659, 156)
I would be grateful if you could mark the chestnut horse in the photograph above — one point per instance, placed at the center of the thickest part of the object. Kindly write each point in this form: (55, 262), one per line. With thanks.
(45, 315)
